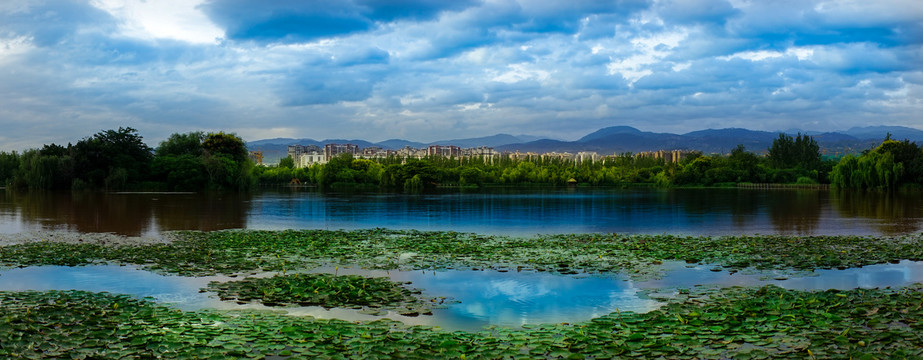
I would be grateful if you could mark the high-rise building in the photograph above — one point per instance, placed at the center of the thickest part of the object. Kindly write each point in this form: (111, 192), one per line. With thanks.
(295, 151)
(331, 150)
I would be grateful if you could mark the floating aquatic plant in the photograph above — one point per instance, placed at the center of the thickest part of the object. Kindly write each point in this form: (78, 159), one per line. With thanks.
(738, 323)
(326, 290)
(639, 256)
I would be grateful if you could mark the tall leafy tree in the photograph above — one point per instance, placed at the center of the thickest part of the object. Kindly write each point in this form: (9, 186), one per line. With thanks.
(179, 162)
(888, 166)
(802, 151)
(182, 144)
(112, 158)
(9, 163)
(229, 145)
(226, 162)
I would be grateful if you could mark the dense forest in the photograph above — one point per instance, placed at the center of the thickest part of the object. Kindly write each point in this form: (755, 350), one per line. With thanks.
(120, 160)
(196, 161)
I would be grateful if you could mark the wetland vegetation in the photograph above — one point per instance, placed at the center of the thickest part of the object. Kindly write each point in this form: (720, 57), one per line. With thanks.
(740, 323)
(326, 290)
(229, 252)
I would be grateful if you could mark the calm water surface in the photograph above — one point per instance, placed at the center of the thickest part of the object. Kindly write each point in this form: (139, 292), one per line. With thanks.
(511, 212)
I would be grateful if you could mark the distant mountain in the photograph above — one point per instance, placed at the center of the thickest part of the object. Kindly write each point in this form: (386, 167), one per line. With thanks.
(619, 139)
(543, 145)
(609, 132)
(394, 144)
(280, 141)
(879, 133)
(627, 140)
(492, 141)
(528, 138)
(724, 140)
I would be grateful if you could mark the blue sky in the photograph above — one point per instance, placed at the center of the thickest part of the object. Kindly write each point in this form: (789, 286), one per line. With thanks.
(426, 70)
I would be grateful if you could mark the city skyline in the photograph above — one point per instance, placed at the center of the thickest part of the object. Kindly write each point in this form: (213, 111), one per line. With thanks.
(431, 70)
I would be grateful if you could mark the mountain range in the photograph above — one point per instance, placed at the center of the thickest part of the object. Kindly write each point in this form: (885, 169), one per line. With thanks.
(619, 139)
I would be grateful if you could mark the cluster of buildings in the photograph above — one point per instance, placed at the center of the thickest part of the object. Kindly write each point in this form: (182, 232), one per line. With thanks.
(307, 155)
(668, 156)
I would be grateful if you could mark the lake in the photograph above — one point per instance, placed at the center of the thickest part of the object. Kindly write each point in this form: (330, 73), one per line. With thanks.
(495, 211)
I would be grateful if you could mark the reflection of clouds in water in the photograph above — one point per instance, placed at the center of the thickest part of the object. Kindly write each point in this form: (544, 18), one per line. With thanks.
(872, 276)
(487, 297)
(516, 290)
(477, 309)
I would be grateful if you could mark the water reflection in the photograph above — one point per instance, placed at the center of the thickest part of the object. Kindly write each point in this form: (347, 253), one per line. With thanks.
(796, 211)
(486, 297)
(901, 274)
(131, 214)
(515, 299)
(894, 212)
(493, 211)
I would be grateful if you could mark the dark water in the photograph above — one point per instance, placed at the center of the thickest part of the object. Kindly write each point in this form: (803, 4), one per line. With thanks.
(485, 297)
(650, 211)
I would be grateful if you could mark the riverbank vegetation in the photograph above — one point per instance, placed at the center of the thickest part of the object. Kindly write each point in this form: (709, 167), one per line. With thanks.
(891, 165)
(789, 160)
(119, 160)
(738, 323)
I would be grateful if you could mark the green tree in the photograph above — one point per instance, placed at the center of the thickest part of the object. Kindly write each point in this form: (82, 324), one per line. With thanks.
(884, 167)
(182, 144)
(802, 151)
(226, 162)
(9, 164)
(113, 155)
(229, 145)
(287, 162)
(744, 164)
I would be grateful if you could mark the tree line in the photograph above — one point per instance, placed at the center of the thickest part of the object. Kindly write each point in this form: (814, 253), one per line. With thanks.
(196, 161)
(120, 160)
(789, 160)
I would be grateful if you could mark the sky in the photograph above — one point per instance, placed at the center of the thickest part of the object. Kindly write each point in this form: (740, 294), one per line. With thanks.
(428, 70)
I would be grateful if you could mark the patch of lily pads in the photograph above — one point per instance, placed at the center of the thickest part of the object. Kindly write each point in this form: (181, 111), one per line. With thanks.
(372, 294)
(738, 323)
(639, 256)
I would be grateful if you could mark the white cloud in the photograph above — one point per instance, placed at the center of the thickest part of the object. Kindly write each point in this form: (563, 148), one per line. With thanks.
(645, 51)
(520, 72)
(13, 47)
(801, 53)
(162, 19)
(500, 66)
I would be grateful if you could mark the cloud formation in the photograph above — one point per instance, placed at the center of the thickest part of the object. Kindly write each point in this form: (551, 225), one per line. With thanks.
(424, 69)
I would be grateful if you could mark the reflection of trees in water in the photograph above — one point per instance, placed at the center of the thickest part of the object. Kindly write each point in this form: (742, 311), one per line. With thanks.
(129, 214)
(897, 212)
(745, 207)
(795, 211)
(203, 212)
(741, 204)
